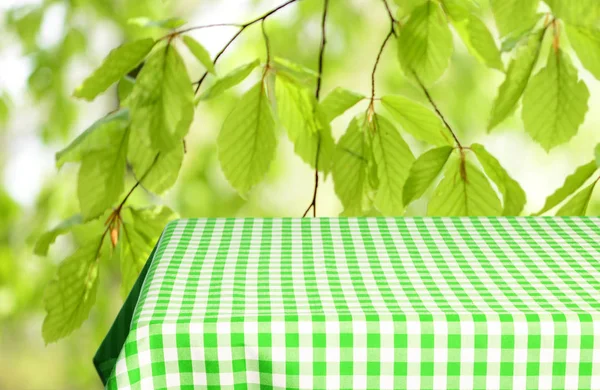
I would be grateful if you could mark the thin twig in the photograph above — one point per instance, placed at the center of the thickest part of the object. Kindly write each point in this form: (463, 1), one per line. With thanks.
(237, 34)
(313, 203)
(267, 45)
(437, 110)
(385, 41)
(391, 15)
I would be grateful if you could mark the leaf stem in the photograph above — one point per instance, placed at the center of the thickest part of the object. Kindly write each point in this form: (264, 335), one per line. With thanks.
(313, 203)
(237, 34)
(267, 45)
(437, 110)
(371, 108)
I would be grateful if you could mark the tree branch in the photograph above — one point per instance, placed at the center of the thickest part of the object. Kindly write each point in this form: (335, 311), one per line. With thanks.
(313, 203)
(237, 34)
(437, 110)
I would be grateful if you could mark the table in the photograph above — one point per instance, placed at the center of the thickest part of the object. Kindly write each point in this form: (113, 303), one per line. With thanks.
(363, 303)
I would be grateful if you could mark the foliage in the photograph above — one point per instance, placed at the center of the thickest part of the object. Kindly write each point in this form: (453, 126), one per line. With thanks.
(374, 166)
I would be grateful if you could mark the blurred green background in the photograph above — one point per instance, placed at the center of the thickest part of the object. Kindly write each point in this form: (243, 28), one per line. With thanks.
(48, 47)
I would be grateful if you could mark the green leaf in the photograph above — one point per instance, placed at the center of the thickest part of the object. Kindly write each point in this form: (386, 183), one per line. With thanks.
(294, 71)
(597, 153)
(117, 64)
(161, 102)
(350, 168)
(586, 43)
(393, 158)
(517, 77)
(140, 231)
(406, 7)
(124, 88)
(246, 144)
(513, 15)
(160, 175)
(337, 102)
(170, 23)
(424, 171)
(98, 136)
(102, 177)
(230, 80)
(297, 111)
(200, 53)
(464, 190)
(425, 43)
(580, 12)
(571, 184)
(579, 203)
(555, 102)
(69, 298)
(459, 10)
(45, 240)
(480, 42)
(418, 120)
(512, 193)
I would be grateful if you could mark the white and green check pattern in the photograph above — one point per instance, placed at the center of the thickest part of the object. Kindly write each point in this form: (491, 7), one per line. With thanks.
(368, 303)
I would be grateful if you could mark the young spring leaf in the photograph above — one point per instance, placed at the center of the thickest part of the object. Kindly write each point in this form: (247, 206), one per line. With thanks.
(597, 154)
(116, 65)
(425, 43)
(464, 190)
(393, 158)
(337, 102)
(69, 298)
(45, 240)
(200, 53)
(480, 42)
(513, 195)
(350, 168)
(406, 7)
(295, 108)
(160, 175)
(579, 203)
(101, 176)
(246, 144)
(231, 79)
(513, 15)
(124, 88)
(579, 13)
(418, 120)
(555, 102)
(293, 71)
(571, 184)
(98, 136)
(424, 171)
(161, 102)
(586, 43)
(140, 231)
(170, 23)
(517, 77)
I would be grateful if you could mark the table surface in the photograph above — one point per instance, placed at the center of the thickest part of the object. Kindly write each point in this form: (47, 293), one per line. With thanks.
(462, 302)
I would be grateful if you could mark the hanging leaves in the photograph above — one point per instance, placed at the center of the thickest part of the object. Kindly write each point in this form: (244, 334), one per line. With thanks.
(230, 80)
(350, 167)
(555, 103)
(418, 120)
(572, 183)
(200, 53)
(513, 15)
(139, 233)
(586, 43)
(513, 195)
(246, 143)
(464, 190)
(116, 65)
(425, 43)
(393, 159)
(517, 77)
(479, 41)
(337, 102)
(424, 171)
(161, 102)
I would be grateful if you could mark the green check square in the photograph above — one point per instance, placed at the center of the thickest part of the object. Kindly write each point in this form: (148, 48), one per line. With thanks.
(533, 369)
(480, 368)
(264, 340)
(534, 341)
(427, 341)
(292, 340)
(373, 368)
(210, 340)
(560, 342)
(585, 369)
(319, 368)
(373, 340)
(426, 369)
(319, 340)
(481, 341)
(346, 368)
(156, 341)
(587, 342)
(453, 341)
(185, 366)
(346, 340)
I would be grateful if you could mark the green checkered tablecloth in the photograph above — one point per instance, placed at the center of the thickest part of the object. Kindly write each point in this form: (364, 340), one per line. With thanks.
(363, 303)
